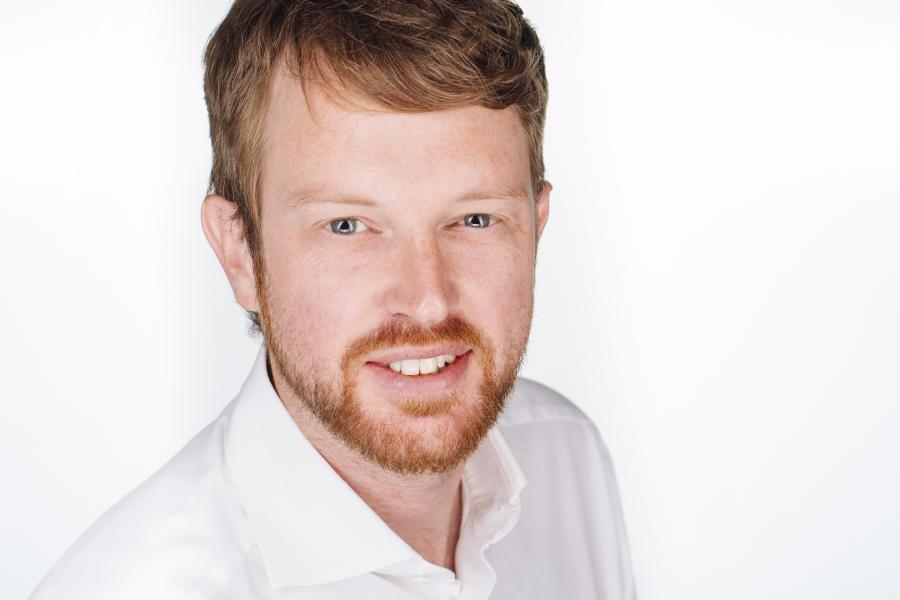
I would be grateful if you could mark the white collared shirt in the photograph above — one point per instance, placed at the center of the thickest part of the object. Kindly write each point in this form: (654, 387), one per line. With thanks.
(249, 510)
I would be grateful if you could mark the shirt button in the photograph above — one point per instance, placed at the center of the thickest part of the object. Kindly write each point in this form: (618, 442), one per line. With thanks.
(421, 577)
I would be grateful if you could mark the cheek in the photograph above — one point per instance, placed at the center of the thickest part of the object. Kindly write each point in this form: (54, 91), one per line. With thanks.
(502, 266)
(315, 305)
(498, 292)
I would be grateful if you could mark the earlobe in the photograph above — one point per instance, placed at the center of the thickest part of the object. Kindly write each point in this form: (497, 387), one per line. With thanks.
(225, 236)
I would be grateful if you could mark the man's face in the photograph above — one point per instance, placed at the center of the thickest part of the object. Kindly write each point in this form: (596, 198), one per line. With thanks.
(390, 236)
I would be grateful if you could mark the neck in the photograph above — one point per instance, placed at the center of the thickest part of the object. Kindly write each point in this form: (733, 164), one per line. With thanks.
(424, 510)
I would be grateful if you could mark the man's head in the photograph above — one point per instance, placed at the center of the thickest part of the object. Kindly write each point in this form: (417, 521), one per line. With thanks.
(377, 192)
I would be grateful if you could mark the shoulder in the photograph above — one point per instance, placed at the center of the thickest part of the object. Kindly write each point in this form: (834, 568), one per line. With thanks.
(152, 542)
(571, 515)
(532, 402)
(537, 414)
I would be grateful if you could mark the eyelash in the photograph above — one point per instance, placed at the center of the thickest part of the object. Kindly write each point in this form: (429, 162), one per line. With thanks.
(331, 223)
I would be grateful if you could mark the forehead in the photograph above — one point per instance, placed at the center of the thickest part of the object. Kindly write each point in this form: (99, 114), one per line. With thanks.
(313, 141)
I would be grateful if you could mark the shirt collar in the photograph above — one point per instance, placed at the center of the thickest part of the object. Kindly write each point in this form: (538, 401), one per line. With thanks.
(311, 527)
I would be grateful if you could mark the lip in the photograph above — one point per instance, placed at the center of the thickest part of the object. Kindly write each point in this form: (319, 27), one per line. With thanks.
(410, 353)
(434, 383)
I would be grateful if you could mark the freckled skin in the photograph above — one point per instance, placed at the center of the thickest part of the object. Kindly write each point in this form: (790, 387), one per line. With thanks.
(414, 261)
(413, 268)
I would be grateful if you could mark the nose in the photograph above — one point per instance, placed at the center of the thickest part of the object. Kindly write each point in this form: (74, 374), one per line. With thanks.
(420, 285)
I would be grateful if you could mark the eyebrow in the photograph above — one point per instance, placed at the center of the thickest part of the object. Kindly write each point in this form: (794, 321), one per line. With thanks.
(315, 198)
(305, 200)
(501, 194)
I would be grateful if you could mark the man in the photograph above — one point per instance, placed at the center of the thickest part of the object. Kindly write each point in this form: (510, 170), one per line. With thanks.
(377, 197)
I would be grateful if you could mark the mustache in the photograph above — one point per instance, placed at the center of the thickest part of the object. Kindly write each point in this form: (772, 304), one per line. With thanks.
(453, 329)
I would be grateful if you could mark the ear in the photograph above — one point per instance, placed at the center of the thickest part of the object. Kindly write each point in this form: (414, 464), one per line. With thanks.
(542, 209)
(224, 234)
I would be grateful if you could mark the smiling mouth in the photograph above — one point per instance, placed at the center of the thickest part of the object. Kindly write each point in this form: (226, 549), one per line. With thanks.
(441, 379)
(422, 367)
(419, 366)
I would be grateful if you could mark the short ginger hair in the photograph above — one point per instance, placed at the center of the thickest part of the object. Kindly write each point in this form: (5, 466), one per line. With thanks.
(405, 55)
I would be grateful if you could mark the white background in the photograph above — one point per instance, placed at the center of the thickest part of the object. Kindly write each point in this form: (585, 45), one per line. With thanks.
(718, 285)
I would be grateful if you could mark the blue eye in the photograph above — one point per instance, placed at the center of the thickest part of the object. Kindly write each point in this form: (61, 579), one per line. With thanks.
(478, 220)
(346, 226)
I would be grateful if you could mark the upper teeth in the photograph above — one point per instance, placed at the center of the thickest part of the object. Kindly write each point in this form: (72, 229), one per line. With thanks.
(423, 366)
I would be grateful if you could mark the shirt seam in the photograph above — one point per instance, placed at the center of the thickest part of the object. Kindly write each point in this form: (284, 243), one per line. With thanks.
(553, 419)
(504, 471)
(215, 594)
